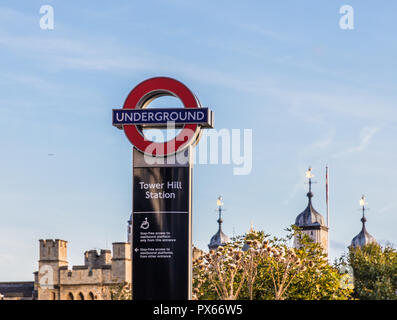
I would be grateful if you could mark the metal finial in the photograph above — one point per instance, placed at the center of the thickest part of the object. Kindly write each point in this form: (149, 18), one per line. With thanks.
(309, 175)
(362, 204)
(219, 203)
(251, 227)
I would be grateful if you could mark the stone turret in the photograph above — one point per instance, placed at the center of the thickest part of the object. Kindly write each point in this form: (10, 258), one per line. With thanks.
(121, 261)
(53, 256)
(94, 260)
(363, 238)
(311, 222)
(219, 238)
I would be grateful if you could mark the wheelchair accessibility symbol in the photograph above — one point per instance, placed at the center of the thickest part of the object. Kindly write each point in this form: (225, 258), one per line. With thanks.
(145, 224)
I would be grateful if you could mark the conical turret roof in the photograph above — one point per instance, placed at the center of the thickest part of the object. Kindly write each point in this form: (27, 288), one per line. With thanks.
(219, 238)
(363, 238)
(309, 216)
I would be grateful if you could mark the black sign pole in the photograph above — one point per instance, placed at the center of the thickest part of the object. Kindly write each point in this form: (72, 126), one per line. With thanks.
(162, 227)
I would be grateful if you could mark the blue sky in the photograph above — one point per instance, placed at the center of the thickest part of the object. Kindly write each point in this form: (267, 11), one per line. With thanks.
(313, 94)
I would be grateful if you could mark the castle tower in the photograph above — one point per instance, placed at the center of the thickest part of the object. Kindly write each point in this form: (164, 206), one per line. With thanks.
(94, 260)
(363, 238)
(219, 238)
(53, 256)
(121, 262)
(311, 222)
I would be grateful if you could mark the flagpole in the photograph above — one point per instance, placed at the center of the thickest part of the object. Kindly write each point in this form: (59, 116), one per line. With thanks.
(327, 201)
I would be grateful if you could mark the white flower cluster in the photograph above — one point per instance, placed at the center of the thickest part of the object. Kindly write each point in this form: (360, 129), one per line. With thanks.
(228, 268)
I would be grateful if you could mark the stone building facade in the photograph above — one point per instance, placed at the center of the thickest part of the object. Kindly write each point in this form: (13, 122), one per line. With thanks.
(102, 272)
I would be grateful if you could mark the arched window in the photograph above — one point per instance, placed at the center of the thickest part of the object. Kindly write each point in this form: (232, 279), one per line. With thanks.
(81, 296)
(91, 296)
(70, 296)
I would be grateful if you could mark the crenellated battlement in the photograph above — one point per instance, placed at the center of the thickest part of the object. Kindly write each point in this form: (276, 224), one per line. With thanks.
(121, 251)
(101, 269)
(53, 243)
(80, 275)
(93, 259)
(53, 250)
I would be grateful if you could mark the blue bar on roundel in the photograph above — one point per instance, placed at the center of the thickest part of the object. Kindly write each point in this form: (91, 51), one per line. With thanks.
(160, 117)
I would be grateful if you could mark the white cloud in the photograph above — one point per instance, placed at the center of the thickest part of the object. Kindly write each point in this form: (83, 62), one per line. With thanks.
(90, 54)
(324, 142)
(298, 186)
(366, 136)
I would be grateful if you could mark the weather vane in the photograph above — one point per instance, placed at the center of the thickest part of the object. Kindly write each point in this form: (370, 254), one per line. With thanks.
(219, 203)
(363, 203)
(310, 175)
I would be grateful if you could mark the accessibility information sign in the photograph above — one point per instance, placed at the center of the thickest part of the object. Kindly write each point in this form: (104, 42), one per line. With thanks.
(161, 232)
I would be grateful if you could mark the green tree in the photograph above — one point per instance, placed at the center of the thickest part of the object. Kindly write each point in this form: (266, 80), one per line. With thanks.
(375, 272)
(311, 278)
(256, 267)
(319, 279)
(117, 291)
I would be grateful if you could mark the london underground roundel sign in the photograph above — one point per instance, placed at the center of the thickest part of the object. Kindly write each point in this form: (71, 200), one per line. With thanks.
(134, 116)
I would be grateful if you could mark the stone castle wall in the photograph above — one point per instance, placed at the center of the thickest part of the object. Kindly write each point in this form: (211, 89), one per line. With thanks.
(91, 281)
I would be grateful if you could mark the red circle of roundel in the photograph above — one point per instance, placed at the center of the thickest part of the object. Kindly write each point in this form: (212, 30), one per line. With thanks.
(173, 87)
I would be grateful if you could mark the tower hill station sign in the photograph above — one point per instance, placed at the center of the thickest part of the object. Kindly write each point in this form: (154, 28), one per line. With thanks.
(162, 190)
